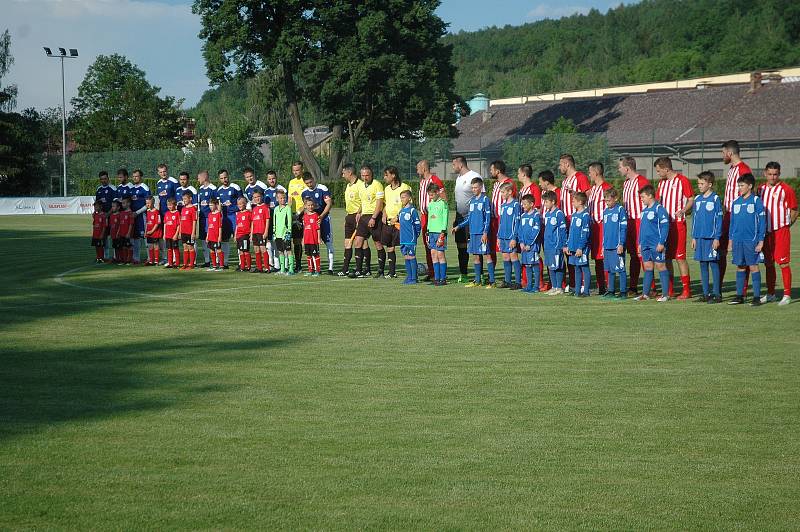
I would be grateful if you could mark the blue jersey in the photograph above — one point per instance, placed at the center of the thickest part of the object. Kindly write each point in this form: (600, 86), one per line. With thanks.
(615, 227)
(555, 230)
(139, 193)
(179, 190)
(317, 195)
(123, 191)
(410, 225)
(530, 224)
(259, 186)
(165, 190)
(479, 216)
(105, 194)
(707, 219)
(579, 231)
(269, 195)
(654, 227)
(204, 194)
(509, 220)
(228, 196)
(748, 220)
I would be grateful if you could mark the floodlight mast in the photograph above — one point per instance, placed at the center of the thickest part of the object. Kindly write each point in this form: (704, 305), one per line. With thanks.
(73, 53)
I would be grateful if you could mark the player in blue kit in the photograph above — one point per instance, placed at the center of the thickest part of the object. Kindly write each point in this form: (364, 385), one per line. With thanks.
(252, 185)
(478, 219)
(577, 248)
(165, 191)
(205, 193)
(105, 194)
(183, 187)
(706, 233)
(410, 229)
(123, 187)
(507, 237)
(746, 238)
(139, 192)
(321, 197)
(228, 195)
(653, 233)
(615, 228)
(530, 223)
(555, 238)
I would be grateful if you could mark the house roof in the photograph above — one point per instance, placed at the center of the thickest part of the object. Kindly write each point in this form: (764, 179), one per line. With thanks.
(683, 116)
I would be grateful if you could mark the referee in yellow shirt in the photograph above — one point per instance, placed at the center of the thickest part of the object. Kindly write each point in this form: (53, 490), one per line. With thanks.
(390, 236)
(370, 223)
(352, 207)
(295, 191)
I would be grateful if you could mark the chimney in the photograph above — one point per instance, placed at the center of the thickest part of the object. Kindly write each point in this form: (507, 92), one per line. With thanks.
(755, 81)
(486, 116)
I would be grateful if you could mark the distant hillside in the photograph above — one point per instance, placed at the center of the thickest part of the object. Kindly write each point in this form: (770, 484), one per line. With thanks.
(655, 40)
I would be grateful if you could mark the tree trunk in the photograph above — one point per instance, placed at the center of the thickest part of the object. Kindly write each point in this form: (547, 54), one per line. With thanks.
(306, 154)
(336, 156)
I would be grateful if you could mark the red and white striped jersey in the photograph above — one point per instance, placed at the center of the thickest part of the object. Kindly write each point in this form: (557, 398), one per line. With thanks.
(497, 198)
(672, 193)
(731, 187)
(534, 190)
(778, 201)
(577, 183)
(597, 203)
(630, 196)
(423, 191)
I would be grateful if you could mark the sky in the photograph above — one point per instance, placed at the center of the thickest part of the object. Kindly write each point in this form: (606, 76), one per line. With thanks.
(160, 37)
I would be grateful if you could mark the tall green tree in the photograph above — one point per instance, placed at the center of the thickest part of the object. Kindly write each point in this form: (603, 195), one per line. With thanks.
(373, 69)
(8, 94)
(117, 109)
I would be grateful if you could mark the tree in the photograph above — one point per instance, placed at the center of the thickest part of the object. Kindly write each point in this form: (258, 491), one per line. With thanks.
(117, 109)
(8, 94)
(375, 68)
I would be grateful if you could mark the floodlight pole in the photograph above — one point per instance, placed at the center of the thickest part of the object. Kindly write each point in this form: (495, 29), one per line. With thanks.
(63, 127)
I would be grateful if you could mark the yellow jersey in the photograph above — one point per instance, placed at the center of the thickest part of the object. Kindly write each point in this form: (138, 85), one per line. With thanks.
(352, 196)
(370, 195)
(392, 200)
(295, 191)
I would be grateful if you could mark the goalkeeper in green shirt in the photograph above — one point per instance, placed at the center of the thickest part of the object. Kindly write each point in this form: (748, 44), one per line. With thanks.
(283, 234)
(437, 233)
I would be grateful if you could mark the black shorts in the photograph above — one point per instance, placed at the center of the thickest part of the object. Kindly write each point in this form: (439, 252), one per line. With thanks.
(462, 235)
(259, 240)
(213, 246)
(311, 250)
(282, 246)
(297, 226)
(364, 230)
(243, 243)
(152, 240)
(390, 237)
(121, 243)
(171, 243)
(98, 242)
(187, 239)
(349, 226)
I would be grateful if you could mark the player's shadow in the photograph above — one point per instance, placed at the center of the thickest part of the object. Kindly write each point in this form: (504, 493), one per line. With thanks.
(43, 387)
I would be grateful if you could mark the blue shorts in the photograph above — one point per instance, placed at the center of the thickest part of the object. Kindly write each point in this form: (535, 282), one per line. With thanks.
(325, 233)
(408, 250)
(554, 259)
(505, 245)
(583, 260)
(613, 262)
(651, 255)
(529, 257)
(744, 254)
(705, 252)
(432, 238)
(476, 247)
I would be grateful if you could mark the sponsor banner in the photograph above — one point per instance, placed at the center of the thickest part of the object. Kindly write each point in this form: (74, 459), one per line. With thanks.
(69, 205)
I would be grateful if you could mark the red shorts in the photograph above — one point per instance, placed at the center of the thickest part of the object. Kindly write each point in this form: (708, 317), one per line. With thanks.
(777, 246)
(493, 226)
(596, 240)
(632, 237)
(676, 240)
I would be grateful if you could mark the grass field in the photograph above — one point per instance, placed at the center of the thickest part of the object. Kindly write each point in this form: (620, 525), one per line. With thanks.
(150, 398)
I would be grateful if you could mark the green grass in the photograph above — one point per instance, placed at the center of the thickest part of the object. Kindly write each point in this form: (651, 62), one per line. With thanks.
(149, 398)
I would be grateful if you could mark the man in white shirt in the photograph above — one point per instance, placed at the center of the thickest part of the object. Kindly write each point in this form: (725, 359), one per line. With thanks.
(463, 193)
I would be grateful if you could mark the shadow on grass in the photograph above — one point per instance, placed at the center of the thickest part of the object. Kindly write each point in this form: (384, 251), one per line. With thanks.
(52, 385)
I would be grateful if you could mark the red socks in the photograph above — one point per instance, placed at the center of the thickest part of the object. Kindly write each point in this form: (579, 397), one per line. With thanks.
(310, 263)
(687, 284)
(313, 264)
(317, 263)
(259, 266)
(220, 259)
(786, 273)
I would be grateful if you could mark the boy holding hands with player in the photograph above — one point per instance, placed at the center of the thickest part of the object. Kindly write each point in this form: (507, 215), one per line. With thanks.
(528, 236)
(283, 233)
(478, 219)
(577, 248)
(311, 226)
(244, 227)
(99, 225)
(437, 233)
(172, 223)
(746, 238)
(555, 238)
(507, 236)
(214, 235)
(188, 230)
(653, 233)
(259, 234)
(410, 228)
(706, 233)
(152, 231)
(615, 229)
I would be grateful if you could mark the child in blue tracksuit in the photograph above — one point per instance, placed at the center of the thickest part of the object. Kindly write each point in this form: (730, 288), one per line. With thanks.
(530, 223)
(615, 228)
(478, 220)
(653, 233)
(746, 238)
(555, 238)
(507, 238)
(577, 247)
(706, 232)
(410, 228)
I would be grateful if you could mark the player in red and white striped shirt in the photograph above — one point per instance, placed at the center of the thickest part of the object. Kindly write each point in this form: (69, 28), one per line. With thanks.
(676, 195)
(425, 179)
(730, 155)
(574, 181)
(498, 172)
(633, 205)
(597, 204)
(780, 202)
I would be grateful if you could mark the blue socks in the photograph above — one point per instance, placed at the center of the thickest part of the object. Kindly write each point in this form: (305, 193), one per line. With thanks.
(664, 276)
(529, 275)
(704, 276)
(756, 276)
(741, 275)
(716, 278)
(478, 272)
(610, 287)
(490, 267)
(623, 283)
(583, 280)
(507, 271)
(647, 282)
(517, 266)
(536, 279)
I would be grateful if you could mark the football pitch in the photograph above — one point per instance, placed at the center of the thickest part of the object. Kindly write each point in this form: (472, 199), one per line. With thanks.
(149, 398)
